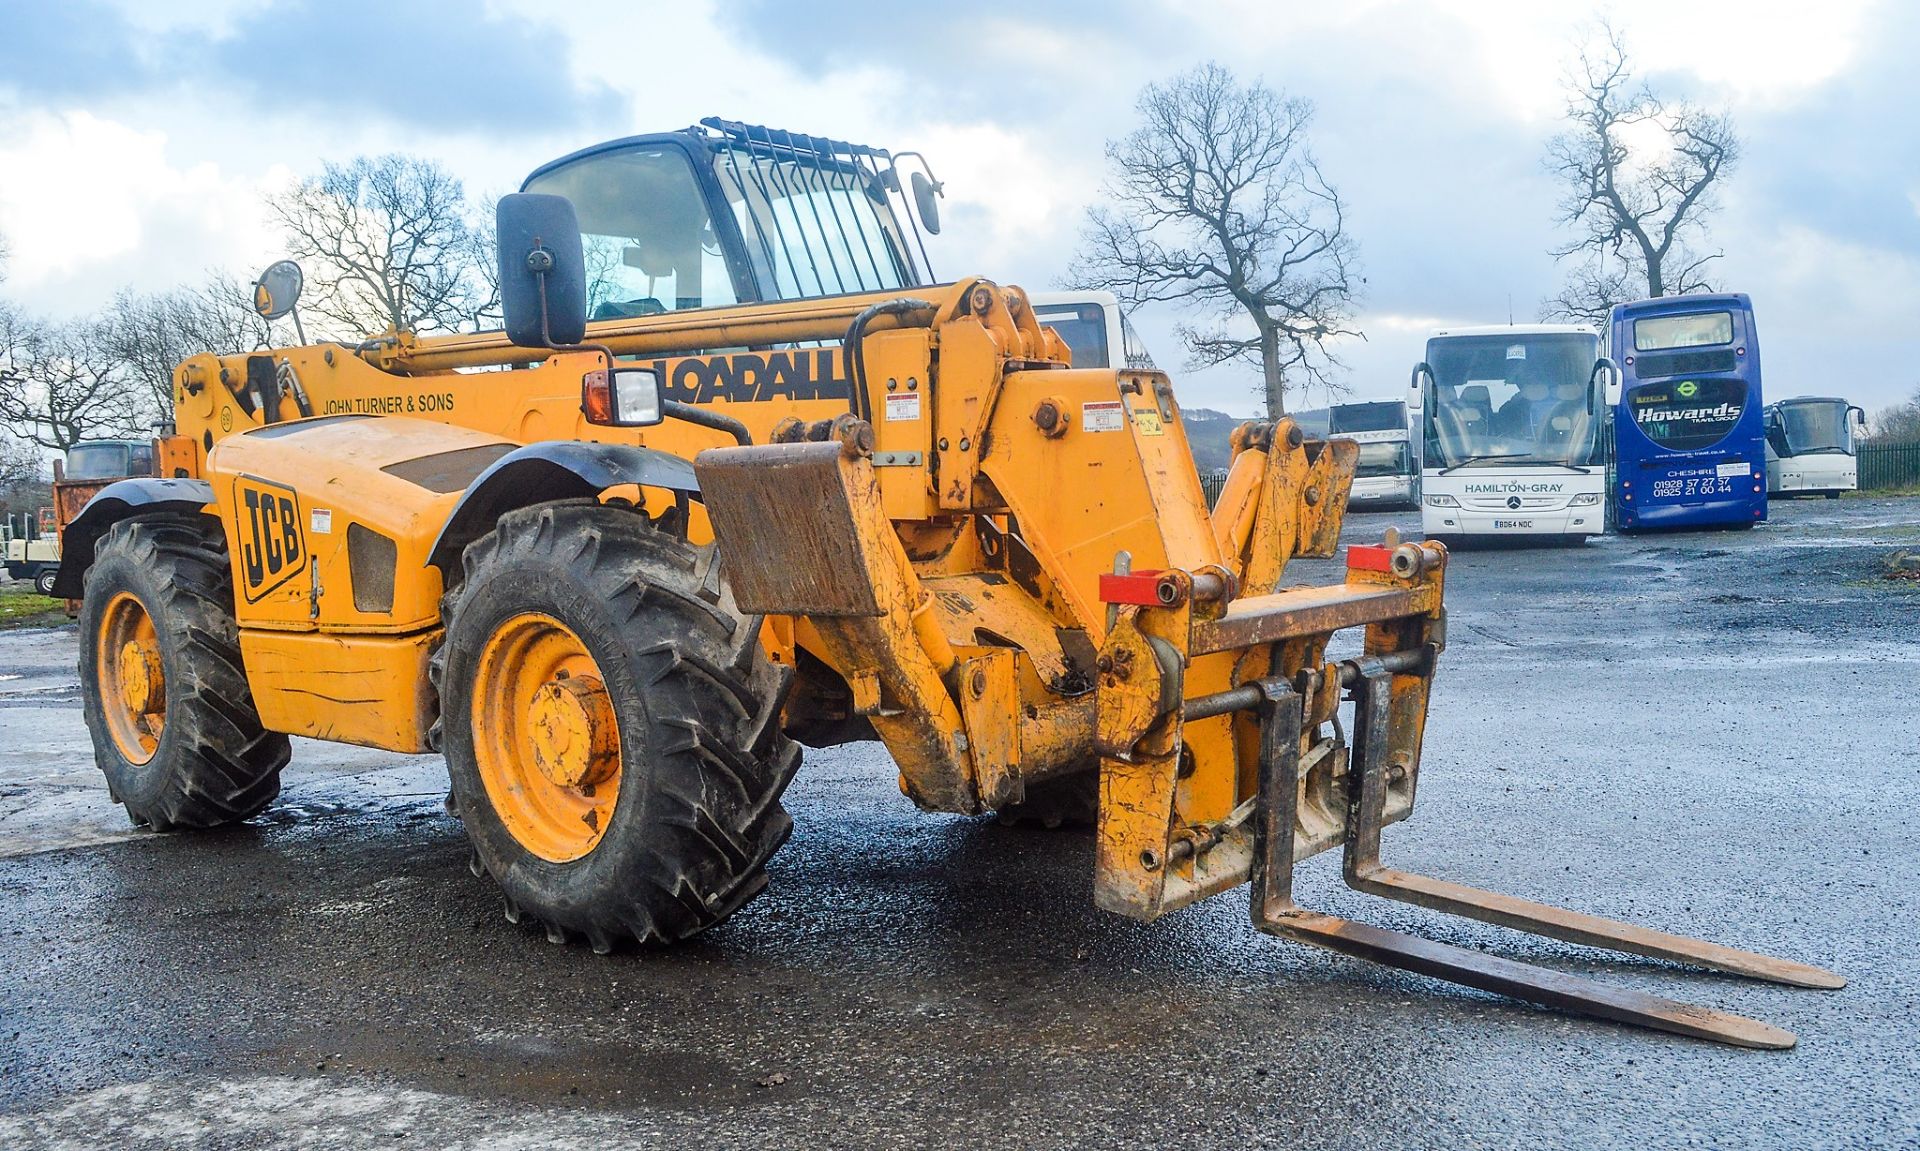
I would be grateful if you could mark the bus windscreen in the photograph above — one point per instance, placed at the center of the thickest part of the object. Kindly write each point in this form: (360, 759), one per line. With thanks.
(1696, 330)
(1818, 426)
(1371, 416)
(1083, 328)
(1388, 458)
(1508, 401)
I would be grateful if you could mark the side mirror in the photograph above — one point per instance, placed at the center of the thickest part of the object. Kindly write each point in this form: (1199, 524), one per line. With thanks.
(926, 202)
(1858, 415)
(628, 397)
(1416, 395)
(543, 274)
(277, 290)
(1613, 379)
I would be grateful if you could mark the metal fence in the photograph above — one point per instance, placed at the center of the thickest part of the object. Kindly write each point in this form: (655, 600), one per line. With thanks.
(1886, 466)
(1211, 483)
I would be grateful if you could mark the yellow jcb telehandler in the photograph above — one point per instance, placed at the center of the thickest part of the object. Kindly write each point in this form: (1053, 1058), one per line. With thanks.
(738, 475)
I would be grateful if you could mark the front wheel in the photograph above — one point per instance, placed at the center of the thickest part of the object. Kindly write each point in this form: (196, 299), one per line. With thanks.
(43, 583)
(611, 727)
(161, 684)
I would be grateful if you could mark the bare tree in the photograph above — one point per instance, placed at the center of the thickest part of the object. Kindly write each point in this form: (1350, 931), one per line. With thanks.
(1219, 205)
(1641, 176)
(386, 243)
(1899, 423)
(482, 239)
(23, 483)
(22, 464)
(64, 383)
(23, 475)
(152, 334)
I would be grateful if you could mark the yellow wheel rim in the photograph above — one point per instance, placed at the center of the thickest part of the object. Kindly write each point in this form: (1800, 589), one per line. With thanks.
(545, 737)
(133, 681)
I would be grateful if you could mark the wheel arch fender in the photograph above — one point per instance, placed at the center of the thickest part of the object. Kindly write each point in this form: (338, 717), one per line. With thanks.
(121, 500)
(547, 471)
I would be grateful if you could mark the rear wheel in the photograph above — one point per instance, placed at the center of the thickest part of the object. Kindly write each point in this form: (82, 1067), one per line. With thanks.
(611, 727)
(165, 697)
(43, 583)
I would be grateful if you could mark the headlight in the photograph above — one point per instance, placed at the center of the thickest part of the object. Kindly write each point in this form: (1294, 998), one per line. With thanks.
(1583, 500)
(1442, 502)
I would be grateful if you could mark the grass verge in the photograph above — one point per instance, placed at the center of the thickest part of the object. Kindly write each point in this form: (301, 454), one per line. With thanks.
(24, 607)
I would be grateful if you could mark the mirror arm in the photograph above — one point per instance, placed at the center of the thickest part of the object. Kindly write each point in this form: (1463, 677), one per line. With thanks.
(707, 418)
(546, 326)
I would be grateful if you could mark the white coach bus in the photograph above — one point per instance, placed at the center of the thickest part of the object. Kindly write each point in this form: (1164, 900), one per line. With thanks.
(1514, 424)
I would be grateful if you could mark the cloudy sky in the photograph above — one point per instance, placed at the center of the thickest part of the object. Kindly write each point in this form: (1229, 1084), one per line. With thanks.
(137, 137)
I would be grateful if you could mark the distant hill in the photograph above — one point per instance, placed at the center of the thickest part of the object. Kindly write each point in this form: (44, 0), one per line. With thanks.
(1208, 433)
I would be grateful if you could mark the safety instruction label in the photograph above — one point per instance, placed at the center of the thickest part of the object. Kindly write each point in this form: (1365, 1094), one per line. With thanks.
(1103, 416)
(903, 406)
(320, 521)
(1737, 468)
(1148, 423)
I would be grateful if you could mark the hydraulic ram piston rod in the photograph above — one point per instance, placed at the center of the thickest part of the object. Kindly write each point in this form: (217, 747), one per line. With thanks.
(1248, 696)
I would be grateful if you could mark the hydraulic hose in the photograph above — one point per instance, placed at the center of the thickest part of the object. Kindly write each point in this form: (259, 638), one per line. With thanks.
(855, 356)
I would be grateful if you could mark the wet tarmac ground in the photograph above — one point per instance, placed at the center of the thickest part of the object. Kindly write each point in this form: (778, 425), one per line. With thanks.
(1712, 734)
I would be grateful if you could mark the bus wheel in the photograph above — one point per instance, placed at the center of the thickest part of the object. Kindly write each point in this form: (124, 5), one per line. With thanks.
(43, 583)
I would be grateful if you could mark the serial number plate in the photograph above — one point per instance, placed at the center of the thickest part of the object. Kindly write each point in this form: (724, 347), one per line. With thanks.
(1103, 416)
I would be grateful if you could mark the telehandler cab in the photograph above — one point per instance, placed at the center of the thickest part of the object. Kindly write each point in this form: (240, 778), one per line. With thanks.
(738, 474)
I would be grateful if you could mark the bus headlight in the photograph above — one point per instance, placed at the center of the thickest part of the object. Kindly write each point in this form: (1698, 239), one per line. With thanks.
(1584, 500)
(1442, 502)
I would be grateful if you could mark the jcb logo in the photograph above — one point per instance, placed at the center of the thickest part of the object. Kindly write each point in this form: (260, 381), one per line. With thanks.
(270, 549)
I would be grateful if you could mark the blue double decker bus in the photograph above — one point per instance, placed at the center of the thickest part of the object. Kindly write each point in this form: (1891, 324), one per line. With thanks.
(1689, 442)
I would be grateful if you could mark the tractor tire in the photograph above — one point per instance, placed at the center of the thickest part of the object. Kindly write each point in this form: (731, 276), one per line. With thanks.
(43, 583)
(611, 727)
(165, 696)
(1068, 801)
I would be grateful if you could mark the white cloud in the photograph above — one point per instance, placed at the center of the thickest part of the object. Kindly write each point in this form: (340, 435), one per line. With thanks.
(1761, 50)
(113, 208)
(1432, 115)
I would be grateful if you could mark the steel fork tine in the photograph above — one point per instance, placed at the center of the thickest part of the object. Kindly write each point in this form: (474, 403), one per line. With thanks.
(1275, 912)
(1365, 872)
(1590, 930)
(1523, 980)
